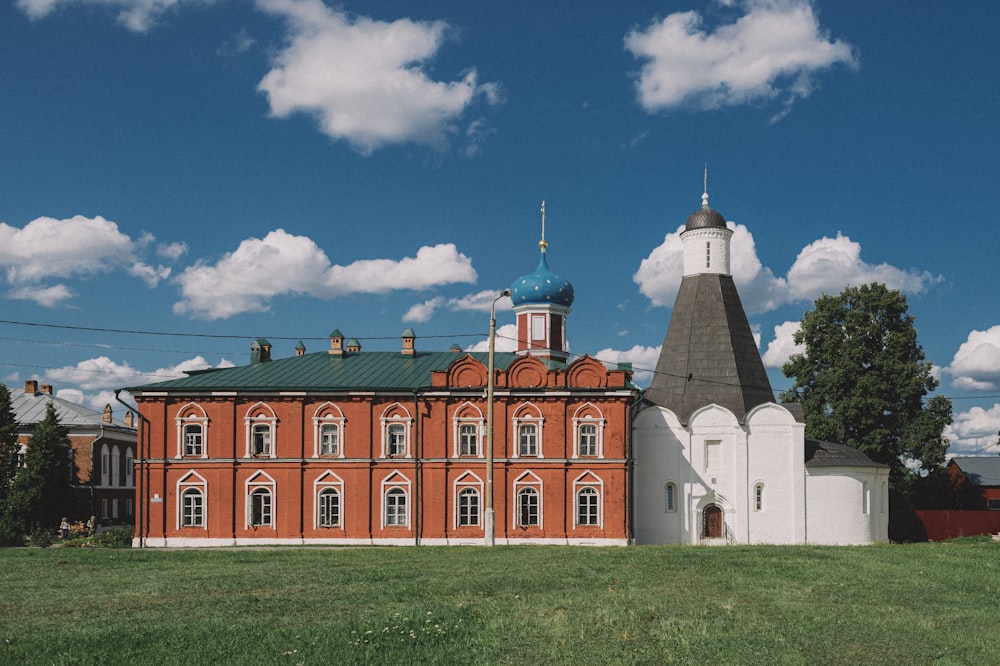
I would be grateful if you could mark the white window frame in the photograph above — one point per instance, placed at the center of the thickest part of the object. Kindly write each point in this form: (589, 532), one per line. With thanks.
(116, 471)
(260, 481)
(192, 481)
(328, 414)
(105, 468)
(670, 497)
(757, 499)
(593, 511)
(191, 414)
(528, 481)
(588, 481)
(471, 416)
(328, 481)
(396, 415)
(393, 482)
(258, 418)
(466, 482)
(530, 416)
(586, 416)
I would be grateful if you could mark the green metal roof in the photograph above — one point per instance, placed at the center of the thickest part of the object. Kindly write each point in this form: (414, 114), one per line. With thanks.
(321, 371)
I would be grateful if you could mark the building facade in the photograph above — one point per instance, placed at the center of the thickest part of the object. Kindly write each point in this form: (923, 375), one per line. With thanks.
(346, 446)
(102, 452)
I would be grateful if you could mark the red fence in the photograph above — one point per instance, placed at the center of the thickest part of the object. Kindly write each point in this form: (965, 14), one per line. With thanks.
(941, 525)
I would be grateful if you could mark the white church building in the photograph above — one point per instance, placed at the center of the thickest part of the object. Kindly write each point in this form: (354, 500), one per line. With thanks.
(717, 461)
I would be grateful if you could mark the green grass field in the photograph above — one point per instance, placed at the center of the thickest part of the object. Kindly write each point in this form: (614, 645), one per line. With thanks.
(912, 604)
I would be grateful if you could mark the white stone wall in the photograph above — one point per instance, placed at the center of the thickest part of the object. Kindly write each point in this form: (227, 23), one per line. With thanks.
(706, 251)
(847, 505)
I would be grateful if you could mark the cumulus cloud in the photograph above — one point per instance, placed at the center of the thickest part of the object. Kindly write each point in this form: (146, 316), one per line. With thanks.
(772, 50)
(642, 358)
(976, 364)
(781, 348)
(478, 302)
(135, 15)
(365, 81)
(825, 266)
(247, 279)
(47, 248)
(506, 340)
(974, 432)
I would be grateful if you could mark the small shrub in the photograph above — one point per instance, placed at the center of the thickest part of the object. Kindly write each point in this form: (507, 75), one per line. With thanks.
(40, 538)
(116, 537)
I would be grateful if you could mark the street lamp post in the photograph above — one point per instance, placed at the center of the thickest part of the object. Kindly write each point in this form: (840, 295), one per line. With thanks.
(489, 519)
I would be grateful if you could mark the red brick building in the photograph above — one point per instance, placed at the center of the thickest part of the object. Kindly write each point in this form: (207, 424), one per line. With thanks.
(345, 446)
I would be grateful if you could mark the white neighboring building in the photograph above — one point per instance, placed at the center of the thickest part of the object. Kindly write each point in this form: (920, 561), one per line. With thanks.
(716, 459)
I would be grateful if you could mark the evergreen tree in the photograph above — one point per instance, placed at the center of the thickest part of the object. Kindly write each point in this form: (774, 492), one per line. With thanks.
(863, 381)
(8, 459)
(42, 490)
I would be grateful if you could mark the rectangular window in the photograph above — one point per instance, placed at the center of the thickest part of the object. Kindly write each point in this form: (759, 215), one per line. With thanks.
(528, 439)
(527, 507)
(329, 508)
(587, 507)
(468, 435)
(671, 498)
(758, 497)
(260, 507)
(588, 440)
(708, 254)
(129, 508)
(192, 439)
(114, 508)
(395, 508)
(329, 444)
(468, 508)
(104, 508)
(993, 504)
(261, 444)
(192, 509)
(396, 433)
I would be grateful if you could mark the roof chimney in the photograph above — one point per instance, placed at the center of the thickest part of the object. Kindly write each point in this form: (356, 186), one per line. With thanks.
(47, 389)
(353, 345)
(129, 418)
(106, 416)
(300, 349)
(337, 343)
(260, 351)
(31, 386)
(408, 337)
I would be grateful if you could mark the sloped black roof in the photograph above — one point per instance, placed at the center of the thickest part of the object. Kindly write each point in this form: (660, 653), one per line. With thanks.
(829, 454)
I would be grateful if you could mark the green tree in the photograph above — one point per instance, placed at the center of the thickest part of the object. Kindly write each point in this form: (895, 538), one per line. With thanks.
(863, 381)
(42, 490)
(8, 459)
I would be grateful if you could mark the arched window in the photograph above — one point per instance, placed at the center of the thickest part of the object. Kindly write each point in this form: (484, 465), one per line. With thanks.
(527, 507)
(758, 496)
(588, 506)
(129, 468)
(192, 508)
(105, 466)
(395, 508)
(329, 508)
(116, 466)
(468, 507)
(261, 509)
(670, 497)
(261, 431)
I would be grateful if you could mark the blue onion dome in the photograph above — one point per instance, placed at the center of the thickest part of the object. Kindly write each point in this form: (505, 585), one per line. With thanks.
(541, 287)
(705, 217)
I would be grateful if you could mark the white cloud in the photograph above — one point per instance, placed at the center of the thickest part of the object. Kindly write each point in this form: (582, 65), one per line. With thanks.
(135, 15)
(422, 312)
(506, 340)
(48, 248)
(974, 432)
(172, 251)
(976, 364)
(365, 80)
(259, 270)
(825, 266)
(772, 50)
(478, 302)
(781, 348)
(643, 360)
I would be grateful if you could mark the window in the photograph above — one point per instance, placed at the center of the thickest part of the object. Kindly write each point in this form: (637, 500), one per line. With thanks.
(395, 507)
(588, 440)
(468, 507)
(129, 508)
(114, 508)
(993, 504)
(116, 467)
(192, 508)
(104, 508)
(866, 499)
(468, 440)
(758, 497)
(329, 508)
(105, 468)
(396, 439)
(588, 507)
(708, 254)
(193, 439)
(129, 468)
(527, 435)
(671, 497)
(329, 439)
(260, 444)
(713, 456)
(260, 507)
(527, 507)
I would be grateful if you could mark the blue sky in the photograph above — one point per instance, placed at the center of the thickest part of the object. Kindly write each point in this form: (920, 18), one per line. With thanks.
(224, 170)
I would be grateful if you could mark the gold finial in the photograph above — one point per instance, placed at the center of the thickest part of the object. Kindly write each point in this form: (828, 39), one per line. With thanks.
(542, 244)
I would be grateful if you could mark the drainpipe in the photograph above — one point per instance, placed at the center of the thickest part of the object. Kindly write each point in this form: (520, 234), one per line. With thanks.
(140, 482)
(630, 467)
(416, 467)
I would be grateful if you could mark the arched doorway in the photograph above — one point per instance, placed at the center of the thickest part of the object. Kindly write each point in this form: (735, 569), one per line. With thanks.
(711, 527)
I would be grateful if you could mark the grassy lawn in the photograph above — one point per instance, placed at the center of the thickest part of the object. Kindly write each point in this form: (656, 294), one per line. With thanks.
(912, 604)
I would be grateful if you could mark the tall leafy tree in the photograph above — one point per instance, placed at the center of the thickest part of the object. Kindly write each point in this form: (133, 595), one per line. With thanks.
(8, 459)
(42, 490)
(863, 381)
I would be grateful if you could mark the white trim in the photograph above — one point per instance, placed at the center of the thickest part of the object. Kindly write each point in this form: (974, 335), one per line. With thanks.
(588, 480)
(333, 416)
(184, 484)
(396, 480)
(260, 419)
(196, 542)
(534, 482)
(196, 415)
(324, 481)
(535, 417)
(468, 480)
(399, 415)
(477, 420)
(580, 420)
(253, 484)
